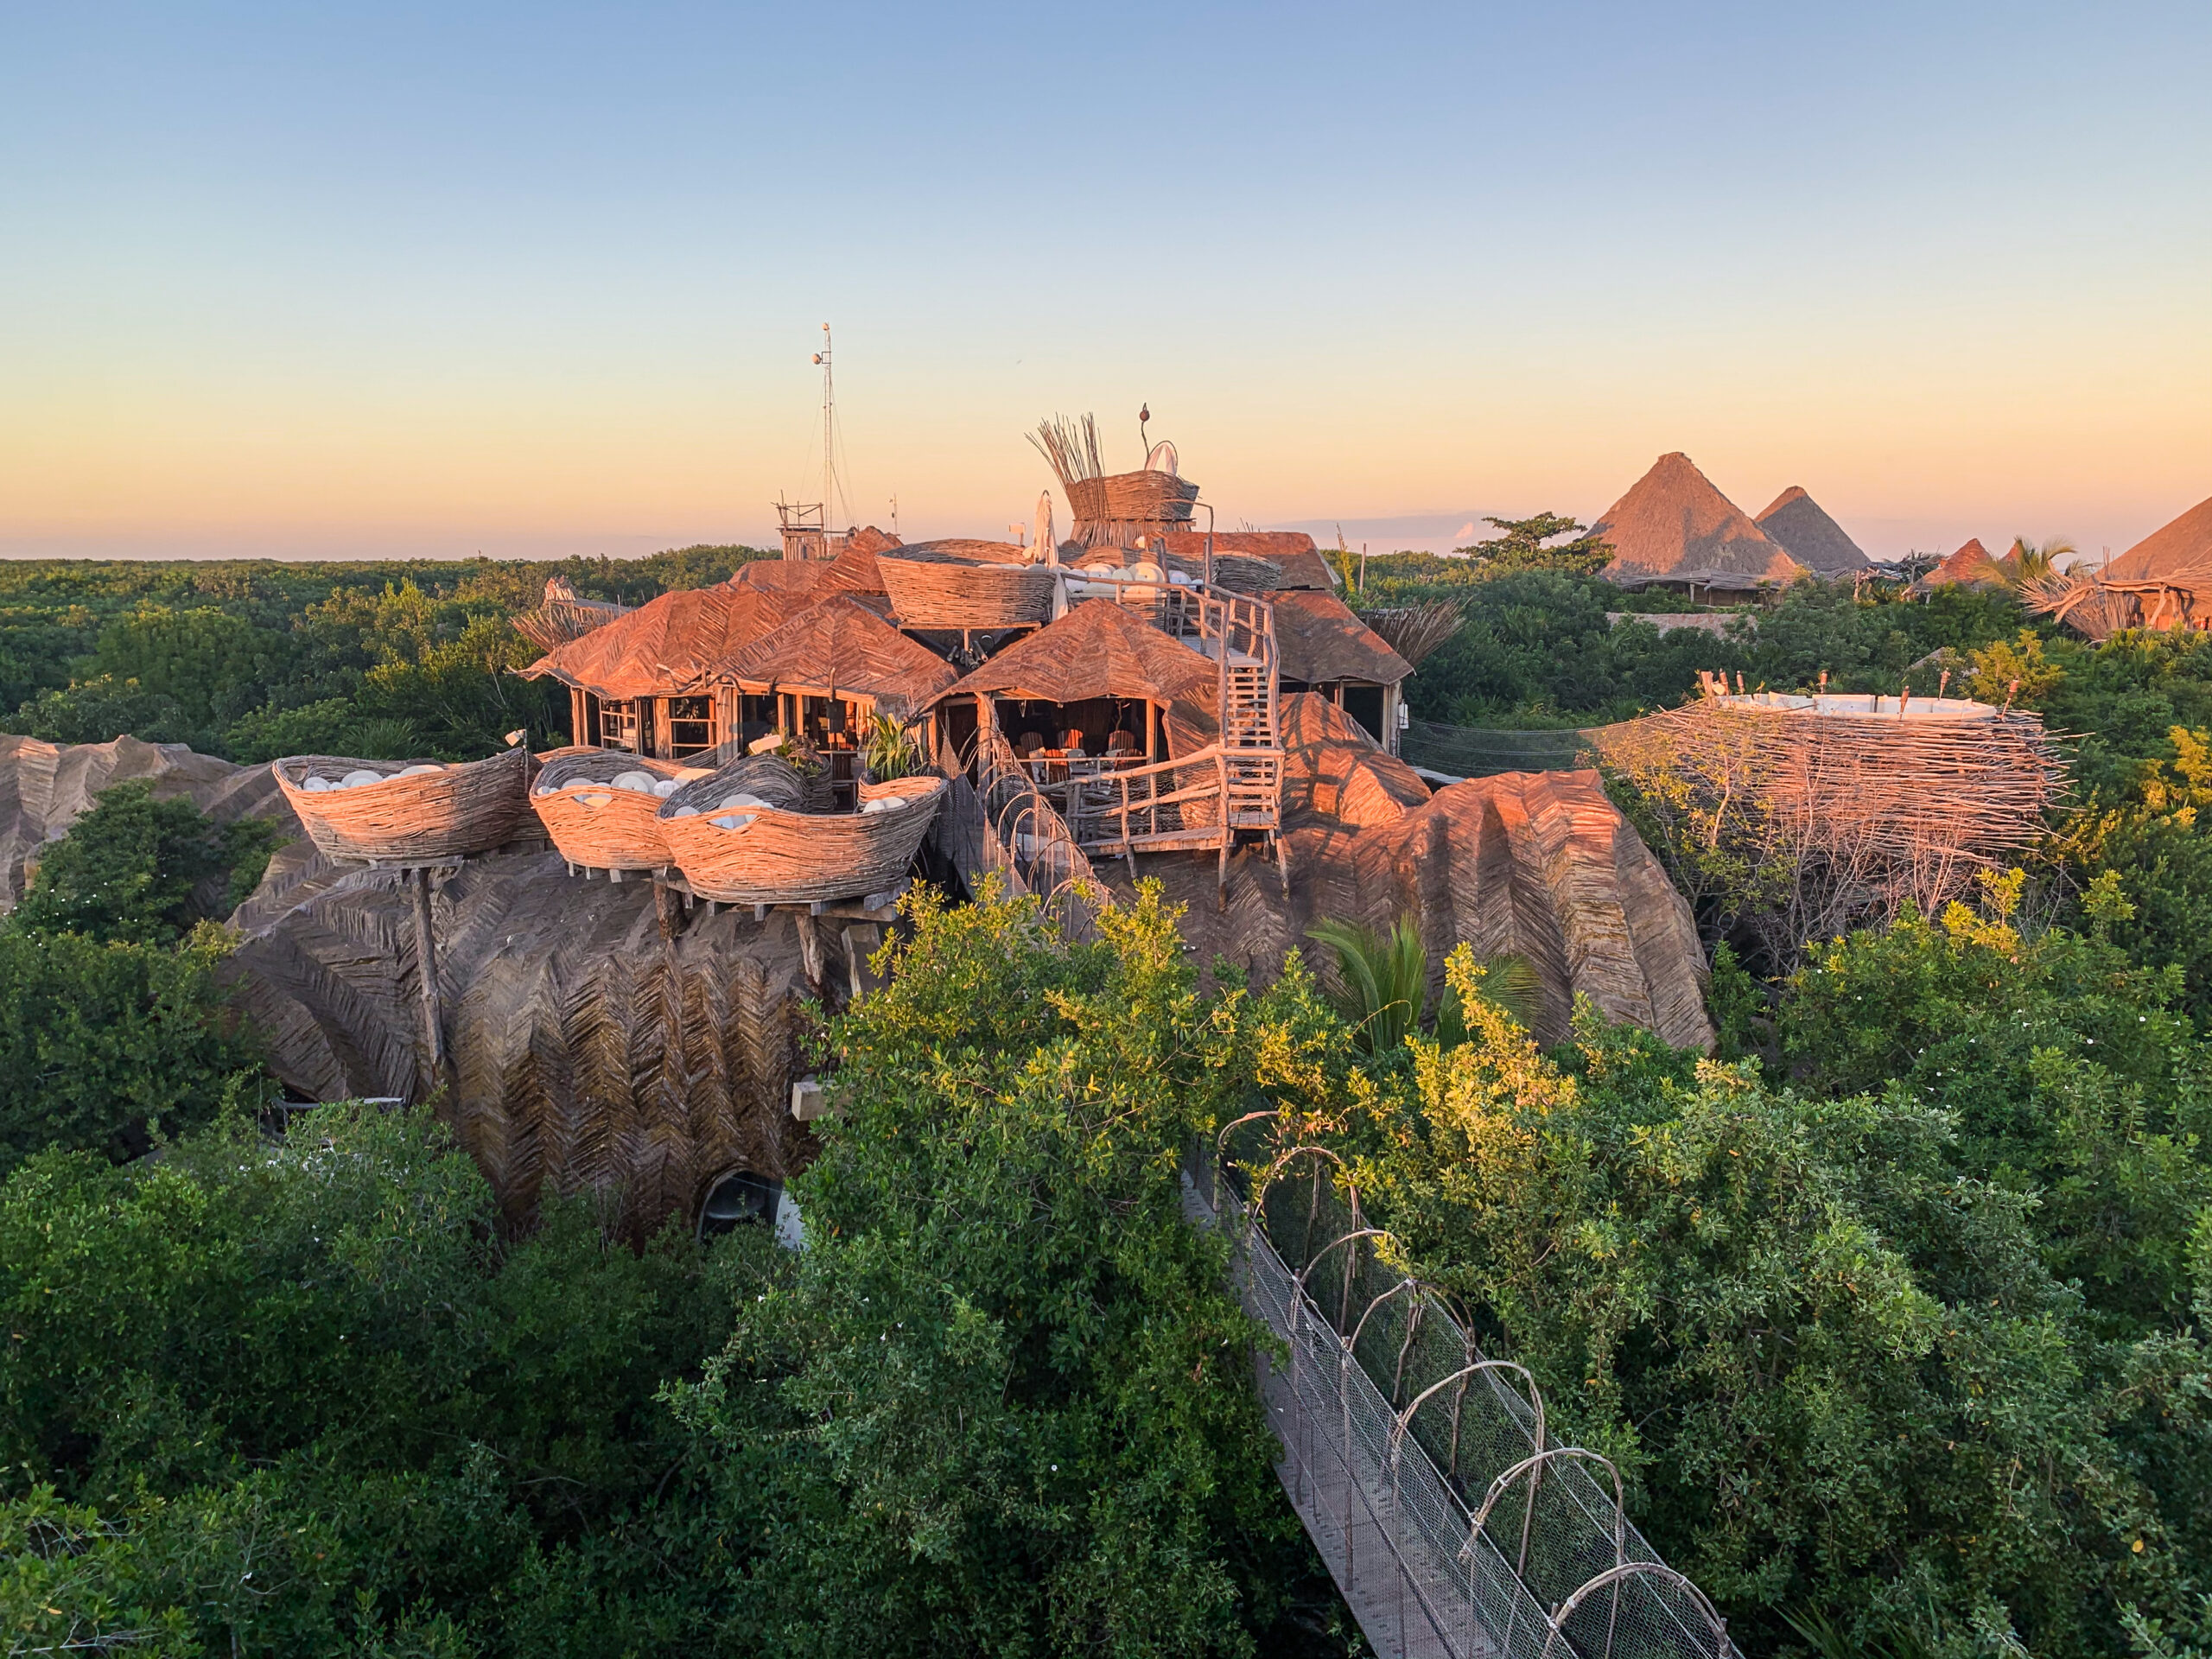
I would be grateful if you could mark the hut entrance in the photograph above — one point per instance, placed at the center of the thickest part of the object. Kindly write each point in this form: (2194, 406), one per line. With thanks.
(831, 727)
(1121, 726)
(690, 725)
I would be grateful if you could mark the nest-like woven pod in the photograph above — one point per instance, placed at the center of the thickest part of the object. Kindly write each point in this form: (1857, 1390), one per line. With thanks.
(598, 826)
(1850, 805)
(471, 807)
(928, 593)
(775, 856)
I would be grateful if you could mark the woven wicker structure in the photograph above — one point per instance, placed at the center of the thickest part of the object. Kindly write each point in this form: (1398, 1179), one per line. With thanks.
(775, 856)
(943, 594)
(458, 809)
(595, 825)
(1114, 510)
(1297, 562)
(1839, 811)
(564, 617)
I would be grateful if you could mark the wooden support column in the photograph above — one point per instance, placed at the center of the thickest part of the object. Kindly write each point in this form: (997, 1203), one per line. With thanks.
(810, 954)
(578, 719)
(668, 909)
(426, 972)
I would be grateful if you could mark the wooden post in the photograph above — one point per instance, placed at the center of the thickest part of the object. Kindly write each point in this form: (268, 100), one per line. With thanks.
(666, 909)
(577, 734)
(426, 972)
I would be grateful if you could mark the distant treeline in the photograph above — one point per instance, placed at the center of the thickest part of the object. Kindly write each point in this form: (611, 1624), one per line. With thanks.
(251, 659)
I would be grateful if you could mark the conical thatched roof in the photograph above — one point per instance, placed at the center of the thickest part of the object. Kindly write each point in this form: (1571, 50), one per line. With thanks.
(1808, 534)
(1971, 565)
(1097, 650)
(1321, 640)
(1675, 523)
(2181, 549)
(839, 646)
(673, 646)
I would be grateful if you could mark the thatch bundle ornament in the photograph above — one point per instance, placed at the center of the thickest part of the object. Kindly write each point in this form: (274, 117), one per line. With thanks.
(394, 811)
(562, 616)
(1798, 817)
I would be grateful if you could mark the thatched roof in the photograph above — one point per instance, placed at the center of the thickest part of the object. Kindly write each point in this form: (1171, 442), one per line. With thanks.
(1808, 534)
(2181, 549)
(1097, 650)
(674, 644)
(1321, 640)
(1971, 565)
(837, 645)
(871, 540)
(1298, 562)
(781, 575)
(1673, 520)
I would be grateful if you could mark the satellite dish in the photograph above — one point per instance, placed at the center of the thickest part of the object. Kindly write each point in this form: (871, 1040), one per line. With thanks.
(1162, 459)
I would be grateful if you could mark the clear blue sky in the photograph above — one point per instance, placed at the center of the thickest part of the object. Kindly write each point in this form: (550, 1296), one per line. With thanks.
(331, 279)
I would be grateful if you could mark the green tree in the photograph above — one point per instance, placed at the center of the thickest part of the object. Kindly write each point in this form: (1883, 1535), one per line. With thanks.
(1524, 547)
(1897, 1356)
(1006, 1392)
(300, 1397)
(210, 663)
(142, 870)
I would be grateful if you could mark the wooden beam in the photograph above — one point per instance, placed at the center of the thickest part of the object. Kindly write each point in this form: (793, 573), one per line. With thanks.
(426, 972)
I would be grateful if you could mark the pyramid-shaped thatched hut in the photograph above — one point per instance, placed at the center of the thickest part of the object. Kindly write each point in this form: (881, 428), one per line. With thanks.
(1809, 536)
(1675, 527)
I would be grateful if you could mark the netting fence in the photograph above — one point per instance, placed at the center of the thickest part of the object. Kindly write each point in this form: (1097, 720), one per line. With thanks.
(1423, 1471)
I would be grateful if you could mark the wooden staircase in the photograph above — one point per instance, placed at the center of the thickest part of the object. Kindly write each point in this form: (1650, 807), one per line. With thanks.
(1239, 633)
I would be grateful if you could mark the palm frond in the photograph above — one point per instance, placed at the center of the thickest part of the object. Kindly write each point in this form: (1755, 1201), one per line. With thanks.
(1383, 979)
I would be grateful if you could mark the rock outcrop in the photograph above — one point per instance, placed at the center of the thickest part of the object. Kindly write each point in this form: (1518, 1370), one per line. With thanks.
(45, 787)
(1538, 864)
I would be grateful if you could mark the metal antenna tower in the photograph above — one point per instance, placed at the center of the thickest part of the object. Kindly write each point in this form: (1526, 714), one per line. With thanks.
(829, 428)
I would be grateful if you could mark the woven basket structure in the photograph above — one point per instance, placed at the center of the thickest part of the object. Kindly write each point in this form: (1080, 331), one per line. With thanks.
(595, 825)
(471, 807)
(934, 594)
(1109, 510)
(788, 857)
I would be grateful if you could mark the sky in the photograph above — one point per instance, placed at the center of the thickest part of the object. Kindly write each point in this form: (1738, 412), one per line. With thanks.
(396, 280)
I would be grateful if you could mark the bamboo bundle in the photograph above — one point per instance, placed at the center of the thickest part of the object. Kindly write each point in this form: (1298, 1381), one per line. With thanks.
(1415, 632)
(411, 816)
(771, 854)
(597, 825)
(925, 594)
